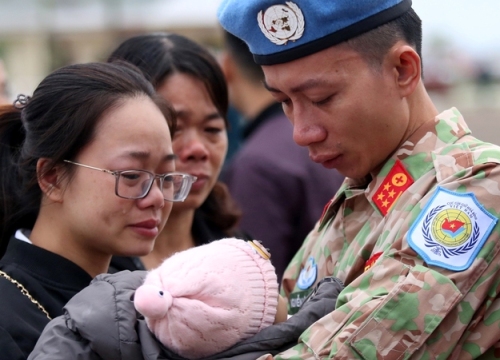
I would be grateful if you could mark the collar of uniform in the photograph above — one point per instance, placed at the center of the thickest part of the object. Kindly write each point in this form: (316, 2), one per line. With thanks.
(416, 154)
(345, 191)
(447, 128)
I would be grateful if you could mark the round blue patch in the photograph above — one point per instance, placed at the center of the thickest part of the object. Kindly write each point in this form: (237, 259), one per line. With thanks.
(308, 274)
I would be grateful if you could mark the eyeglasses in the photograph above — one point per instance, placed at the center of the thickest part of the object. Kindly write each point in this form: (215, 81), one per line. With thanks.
(136, 184)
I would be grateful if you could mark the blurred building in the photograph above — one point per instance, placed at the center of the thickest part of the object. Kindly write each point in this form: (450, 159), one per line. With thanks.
(38, 36)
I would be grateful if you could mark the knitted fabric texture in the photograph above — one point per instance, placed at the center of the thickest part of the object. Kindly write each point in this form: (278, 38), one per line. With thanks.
(203, 300)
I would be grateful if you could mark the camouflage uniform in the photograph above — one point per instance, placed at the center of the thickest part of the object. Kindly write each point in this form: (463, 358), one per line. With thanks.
(401, 307)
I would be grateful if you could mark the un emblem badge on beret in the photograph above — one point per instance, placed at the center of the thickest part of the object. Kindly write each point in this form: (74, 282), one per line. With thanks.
(282, 23)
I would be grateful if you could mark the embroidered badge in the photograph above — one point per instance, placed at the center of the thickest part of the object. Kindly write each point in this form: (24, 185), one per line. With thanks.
(282, 23)
(395, 183)
(297, 299)
(371, 261)
(308, 274)
(260, 249)
(451, 230)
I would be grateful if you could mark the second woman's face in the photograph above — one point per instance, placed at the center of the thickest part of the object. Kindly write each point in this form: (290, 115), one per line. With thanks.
(200, 141)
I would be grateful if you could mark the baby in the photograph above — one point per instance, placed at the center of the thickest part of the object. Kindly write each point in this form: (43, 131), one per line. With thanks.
(206, 299)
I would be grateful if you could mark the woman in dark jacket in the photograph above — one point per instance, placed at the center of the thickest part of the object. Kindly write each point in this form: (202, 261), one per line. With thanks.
(190, 79)
(69, 198)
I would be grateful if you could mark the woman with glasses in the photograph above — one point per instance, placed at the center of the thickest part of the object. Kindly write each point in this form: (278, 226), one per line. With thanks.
(190, 79)
(87, 171)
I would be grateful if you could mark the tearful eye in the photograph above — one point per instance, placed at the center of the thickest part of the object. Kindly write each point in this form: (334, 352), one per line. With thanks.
(213, 130)
(323, 101)
(130, 175)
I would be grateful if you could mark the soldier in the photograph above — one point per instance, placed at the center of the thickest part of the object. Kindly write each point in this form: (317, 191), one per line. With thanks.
(413, 231)
(280, 191)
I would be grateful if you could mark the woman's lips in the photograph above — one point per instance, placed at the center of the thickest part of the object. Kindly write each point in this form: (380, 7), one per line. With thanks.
(148, 228)
(200, 182)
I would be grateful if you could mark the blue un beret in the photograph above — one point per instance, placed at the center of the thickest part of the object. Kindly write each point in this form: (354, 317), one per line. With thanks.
(282, 31)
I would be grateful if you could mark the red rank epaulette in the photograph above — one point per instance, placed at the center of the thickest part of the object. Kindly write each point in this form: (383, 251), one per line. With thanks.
(371, 261)
(395, 183)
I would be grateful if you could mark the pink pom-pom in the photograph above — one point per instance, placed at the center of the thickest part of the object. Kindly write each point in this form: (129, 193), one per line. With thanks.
(152, 301)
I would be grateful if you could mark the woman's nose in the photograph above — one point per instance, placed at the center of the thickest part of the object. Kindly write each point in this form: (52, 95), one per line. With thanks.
(154, 197)
(191, 147)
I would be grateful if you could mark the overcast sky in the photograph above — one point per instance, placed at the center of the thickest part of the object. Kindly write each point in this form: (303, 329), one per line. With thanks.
(471, 24)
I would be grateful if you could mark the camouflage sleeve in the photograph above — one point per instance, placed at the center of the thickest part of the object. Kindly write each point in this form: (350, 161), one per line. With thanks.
(387, 322)
(293, 269)
(405, 307)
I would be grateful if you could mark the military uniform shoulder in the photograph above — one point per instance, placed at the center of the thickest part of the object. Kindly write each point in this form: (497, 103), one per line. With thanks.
(463, 154)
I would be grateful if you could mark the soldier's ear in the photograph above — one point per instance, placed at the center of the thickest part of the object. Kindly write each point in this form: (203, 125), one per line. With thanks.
(407, 68)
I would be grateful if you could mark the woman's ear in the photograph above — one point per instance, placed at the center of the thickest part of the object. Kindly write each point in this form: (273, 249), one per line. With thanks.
(407, 65)
(50, 179)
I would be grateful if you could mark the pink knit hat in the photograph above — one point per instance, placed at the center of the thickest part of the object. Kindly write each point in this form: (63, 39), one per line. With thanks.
(203, 300)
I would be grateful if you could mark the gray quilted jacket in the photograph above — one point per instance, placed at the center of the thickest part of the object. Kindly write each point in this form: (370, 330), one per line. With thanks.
(100, 322)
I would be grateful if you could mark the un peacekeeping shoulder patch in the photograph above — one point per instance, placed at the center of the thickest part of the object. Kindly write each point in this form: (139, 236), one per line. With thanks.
(451, 230)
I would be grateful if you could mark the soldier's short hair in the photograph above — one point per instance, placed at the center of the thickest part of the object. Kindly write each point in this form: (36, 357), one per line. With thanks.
(374, 44)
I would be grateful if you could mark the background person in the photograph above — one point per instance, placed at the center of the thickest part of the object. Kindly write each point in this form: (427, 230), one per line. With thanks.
(71, 156)
(4, 96)
(413, 231)
(280, 191)
(189, 77)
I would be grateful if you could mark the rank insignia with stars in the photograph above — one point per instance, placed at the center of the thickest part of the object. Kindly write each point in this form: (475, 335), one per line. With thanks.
(395, 183)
